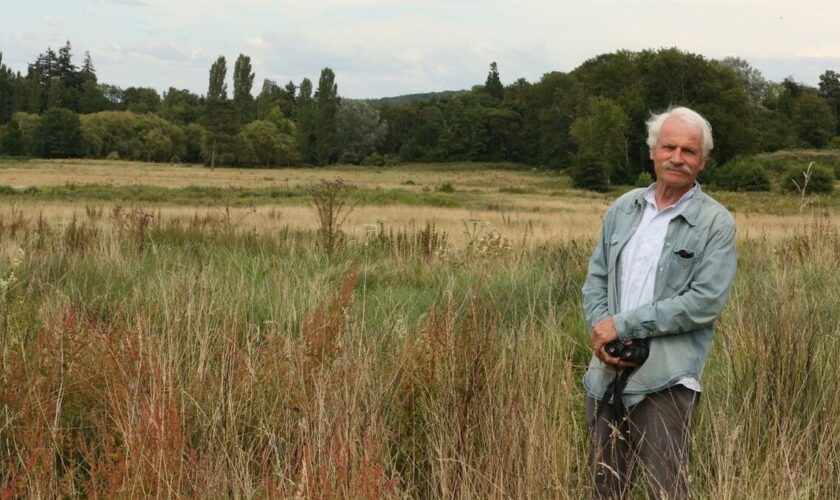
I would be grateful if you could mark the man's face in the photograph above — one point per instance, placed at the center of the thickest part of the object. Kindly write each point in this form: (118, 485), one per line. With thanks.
(678, 154)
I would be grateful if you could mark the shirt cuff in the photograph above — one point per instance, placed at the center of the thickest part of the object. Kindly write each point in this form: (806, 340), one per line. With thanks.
(624, 325)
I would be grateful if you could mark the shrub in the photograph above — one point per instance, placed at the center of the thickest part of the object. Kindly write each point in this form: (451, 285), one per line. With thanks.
(446, 187)
(113, 155)
(590, 172)
(742, 174)
(59, 134)
(644, 179)
(820, 180)
(374, 160)
(349, 157)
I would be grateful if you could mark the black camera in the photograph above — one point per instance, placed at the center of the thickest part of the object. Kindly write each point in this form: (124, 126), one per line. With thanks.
(635, 352)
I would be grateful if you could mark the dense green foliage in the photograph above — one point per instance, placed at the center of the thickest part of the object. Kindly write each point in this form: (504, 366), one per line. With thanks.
(742, 174)
(810, 178)
(59, 134)
(561, 121)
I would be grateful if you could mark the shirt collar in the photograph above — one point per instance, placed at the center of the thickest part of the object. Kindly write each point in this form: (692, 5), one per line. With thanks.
(650, 197)
(694, 201)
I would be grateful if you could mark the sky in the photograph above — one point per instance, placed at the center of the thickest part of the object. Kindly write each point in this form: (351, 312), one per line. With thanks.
(381, 48)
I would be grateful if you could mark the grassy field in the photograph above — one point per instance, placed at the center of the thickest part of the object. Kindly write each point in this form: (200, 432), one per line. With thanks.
(180, 332)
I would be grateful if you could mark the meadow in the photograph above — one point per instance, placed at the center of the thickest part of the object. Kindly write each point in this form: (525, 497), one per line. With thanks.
(172, 331)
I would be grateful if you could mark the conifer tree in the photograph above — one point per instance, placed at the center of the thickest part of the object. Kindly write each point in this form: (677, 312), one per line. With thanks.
(493, 85)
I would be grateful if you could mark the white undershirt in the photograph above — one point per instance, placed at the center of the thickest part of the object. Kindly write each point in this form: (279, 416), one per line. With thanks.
(640, 257)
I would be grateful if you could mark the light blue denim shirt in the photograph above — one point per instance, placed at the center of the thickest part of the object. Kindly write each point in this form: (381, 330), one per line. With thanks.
(694, 276)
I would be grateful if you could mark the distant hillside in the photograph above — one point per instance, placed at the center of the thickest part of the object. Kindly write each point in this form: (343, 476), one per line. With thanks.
(404, 99)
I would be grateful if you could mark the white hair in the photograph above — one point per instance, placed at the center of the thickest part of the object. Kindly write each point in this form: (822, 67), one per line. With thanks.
(687, 116)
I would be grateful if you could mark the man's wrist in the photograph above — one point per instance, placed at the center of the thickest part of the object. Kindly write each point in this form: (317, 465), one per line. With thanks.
(622, 326)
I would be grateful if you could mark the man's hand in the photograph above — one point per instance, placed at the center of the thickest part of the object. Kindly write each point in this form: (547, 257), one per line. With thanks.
(604, 332)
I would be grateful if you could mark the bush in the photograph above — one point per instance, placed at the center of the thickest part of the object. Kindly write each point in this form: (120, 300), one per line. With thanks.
(821, 179)
(742, 174)
(113, 155)
(349, 158)
(591, 172)
(374, 160)
(59, 134)
(644, 179)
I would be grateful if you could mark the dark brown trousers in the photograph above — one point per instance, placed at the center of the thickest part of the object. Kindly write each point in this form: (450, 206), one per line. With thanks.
(654, 434)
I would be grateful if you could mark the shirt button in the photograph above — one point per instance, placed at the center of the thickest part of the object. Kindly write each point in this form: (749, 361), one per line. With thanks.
(660, 269)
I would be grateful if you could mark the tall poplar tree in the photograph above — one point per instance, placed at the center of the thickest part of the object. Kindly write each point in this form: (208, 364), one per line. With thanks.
(217, 89)
(326, 117)
(220, 118)
(243, 82)
(305, 121)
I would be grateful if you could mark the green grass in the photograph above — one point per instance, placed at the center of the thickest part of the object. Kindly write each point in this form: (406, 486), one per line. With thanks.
(202, 195)
(201, 360)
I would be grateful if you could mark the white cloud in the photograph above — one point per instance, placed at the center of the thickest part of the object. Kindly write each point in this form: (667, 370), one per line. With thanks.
(129, 3)
(821, 52)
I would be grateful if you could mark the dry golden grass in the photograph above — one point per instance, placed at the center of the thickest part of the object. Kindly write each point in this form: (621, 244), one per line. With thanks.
(466, 176)
(526, 205)
(560, 220)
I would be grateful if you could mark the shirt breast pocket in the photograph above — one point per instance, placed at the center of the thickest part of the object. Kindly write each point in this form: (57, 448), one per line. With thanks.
(681, 268)
(612, 255)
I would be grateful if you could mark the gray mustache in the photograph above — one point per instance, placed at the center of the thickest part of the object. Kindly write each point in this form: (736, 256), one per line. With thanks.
(682, 168)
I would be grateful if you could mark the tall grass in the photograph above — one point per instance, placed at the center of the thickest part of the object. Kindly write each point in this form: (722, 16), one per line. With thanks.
(146, 357)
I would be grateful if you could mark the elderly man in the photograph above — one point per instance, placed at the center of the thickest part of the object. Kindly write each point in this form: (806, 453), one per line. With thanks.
(657, 281)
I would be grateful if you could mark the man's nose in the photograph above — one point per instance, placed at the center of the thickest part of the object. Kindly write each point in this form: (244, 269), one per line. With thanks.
(677, 156)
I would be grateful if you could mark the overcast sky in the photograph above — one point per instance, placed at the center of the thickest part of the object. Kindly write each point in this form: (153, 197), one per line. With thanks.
(383, 48)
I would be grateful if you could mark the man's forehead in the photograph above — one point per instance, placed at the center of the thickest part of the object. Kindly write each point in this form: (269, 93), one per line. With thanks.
(675, 125)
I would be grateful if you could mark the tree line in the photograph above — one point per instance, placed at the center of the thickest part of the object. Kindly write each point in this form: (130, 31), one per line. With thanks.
(590, 120)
